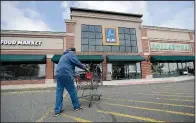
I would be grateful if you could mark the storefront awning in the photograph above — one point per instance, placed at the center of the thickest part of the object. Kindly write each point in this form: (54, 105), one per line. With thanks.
(112, 58)
(82, 58)
(172, 58)
(22, 58)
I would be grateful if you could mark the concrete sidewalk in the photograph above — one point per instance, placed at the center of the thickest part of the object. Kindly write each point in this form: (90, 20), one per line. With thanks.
(105, 83)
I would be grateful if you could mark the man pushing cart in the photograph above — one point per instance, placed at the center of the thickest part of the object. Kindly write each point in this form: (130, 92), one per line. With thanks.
(65, 79)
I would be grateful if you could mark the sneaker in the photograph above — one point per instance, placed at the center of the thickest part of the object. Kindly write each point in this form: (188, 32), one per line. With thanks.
(79, 108)
(57, 114)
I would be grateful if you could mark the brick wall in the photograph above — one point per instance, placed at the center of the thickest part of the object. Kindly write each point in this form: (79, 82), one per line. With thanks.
(49, 69)
(146, 68)
(70, 28)
(144, 41)
(104, 68)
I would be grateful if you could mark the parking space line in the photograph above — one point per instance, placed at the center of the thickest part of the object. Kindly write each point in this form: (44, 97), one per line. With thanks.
(41, 119)
(173, 93)
(176, 90)
(24, 92)
(152, 109)
(176, 100)
(164, 95)
(75, 118)
(148, 102)
(182, 100)
(129, 116)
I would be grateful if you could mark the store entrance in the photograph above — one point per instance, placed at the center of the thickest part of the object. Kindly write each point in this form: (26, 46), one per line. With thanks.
(121, 71)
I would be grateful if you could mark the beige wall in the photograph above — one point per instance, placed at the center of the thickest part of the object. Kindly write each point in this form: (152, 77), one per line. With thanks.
(104, 22)
(47, 43)
(158, 34)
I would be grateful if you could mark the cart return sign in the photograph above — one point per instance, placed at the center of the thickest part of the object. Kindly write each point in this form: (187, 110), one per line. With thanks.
(26, 43)
(170, 47)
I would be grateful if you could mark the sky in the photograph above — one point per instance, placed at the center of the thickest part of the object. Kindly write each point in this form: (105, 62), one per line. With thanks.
(50, 15)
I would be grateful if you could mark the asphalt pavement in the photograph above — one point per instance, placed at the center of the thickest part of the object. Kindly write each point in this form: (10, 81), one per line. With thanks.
(170, 102)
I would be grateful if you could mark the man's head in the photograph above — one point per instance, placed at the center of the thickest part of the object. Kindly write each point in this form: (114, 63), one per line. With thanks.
(72, 49)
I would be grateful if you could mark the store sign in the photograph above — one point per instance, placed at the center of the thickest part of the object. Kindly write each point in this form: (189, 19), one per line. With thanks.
(25, 43)
(110, 35)
(170, 47)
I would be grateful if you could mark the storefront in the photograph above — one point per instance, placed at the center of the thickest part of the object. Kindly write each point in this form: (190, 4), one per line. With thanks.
(116, 42)
(26, 56)
(170, 52)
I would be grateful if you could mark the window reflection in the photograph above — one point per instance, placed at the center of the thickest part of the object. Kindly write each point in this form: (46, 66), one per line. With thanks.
(172, 69)
(22, 71)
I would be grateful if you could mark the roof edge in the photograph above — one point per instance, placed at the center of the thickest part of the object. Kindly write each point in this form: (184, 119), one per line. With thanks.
(33, 32)
(105, 12)
(165, 28)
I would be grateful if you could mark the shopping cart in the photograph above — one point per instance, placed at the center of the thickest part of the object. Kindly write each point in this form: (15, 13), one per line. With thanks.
(89, 81)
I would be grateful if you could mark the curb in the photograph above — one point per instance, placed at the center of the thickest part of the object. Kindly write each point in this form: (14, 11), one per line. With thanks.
(105, 86)
(28, 89)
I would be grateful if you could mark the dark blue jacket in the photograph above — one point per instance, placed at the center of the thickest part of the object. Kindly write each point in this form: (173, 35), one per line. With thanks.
(67, 63)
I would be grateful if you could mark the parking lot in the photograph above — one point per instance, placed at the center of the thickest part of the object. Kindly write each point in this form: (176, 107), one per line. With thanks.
(171, 102)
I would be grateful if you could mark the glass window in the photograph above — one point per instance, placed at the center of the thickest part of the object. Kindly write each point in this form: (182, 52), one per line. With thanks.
(128, 49)
(99, 35)
(155, 68)
(91, 35)
(85, 41)
(122, 42)
(97, 28)
(132, 31)
(165, 68)
(133, 43)
(127, 37)
(99, 48)
(190, 65)
(134, 49)
(127, 30)
(85, 34)
(133, 37)
(179, 65)
(99, 41)
(132, 71)
(91, 28)
(55, 65)
(122, 48)
(85, 48)
(121, 30)
(107, 48)
(121, 36)
(23, 71)
(184, 66)
(91, 41)
(173, 68)
(115, 49)
(91, 48)
(128, 42)
(85, 28)
(138, 67)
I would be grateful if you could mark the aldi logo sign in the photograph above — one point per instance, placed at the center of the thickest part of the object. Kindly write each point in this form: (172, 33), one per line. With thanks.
(110, 35)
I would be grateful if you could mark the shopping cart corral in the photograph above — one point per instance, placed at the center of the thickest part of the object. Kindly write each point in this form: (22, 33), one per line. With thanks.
(89, 81)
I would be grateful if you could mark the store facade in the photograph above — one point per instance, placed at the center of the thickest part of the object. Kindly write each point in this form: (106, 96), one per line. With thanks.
(170, 51)
(26, 56)
(117, 42)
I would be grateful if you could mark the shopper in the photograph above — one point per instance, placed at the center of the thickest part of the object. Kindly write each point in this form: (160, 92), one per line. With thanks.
(65, 79)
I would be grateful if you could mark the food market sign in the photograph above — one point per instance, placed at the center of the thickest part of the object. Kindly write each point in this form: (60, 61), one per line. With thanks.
(19, 42)
(170, 47)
